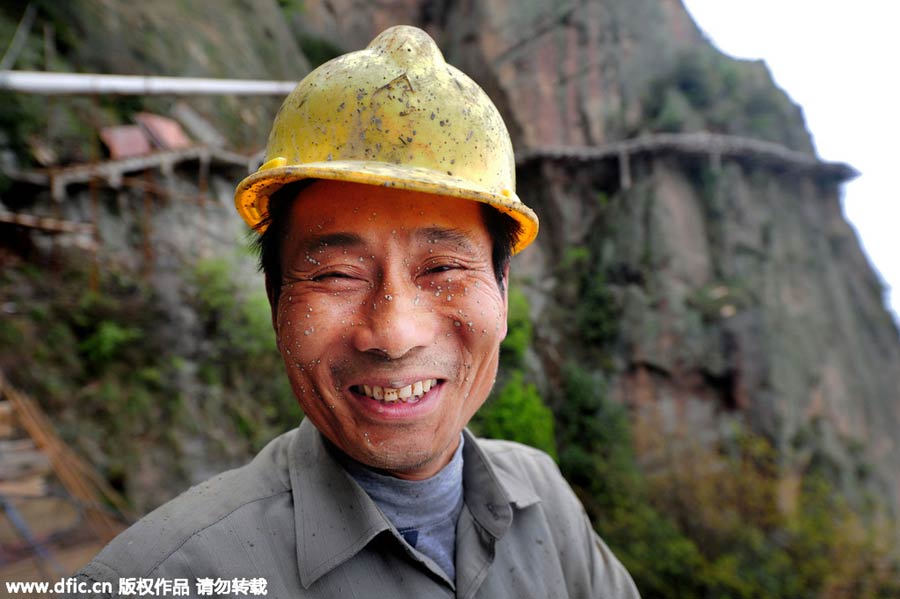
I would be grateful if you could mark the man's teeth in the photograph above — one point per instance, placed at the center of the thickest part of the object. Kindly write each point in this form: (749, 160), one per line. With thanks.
(408, 394)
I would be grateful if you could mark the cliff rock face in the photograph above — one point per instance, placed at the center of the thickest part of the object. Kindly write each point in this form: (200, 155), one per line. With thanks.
(736, 287)
(702, 283)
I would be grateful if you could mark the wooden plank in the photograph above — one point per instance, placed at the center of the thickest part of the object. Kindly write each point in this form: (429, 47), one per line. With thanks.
(69, 469)
(33, 486)
(11, 445)
(7, 420)
(24, 463)
(46, 223)
(725, 146)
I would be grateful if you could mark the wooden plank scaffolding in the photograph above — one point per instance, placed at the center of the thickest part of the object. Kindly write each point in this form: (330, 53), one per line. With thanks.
(137, 173)
(46, 223)
(31, 451)
(114, 172)
(715, 146)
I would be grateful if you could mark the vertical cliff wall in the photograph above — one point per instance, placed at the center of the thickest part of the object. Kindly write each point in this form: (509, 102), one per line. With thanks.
(733, 287)
(703, 283)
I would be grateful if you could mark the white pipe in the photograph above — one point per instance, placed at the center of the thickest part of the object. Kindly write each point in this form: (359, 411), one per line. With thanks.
(36, 82)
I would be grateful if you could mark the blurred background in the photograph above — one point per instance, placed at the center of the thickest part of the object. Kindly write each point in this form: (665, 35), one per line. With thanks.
(697, 336)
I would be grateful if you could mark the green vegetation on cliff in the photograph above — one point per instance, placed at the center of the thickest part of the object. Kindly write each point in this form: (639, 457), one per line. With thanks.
(708, 524)
(515, 410)
(708, 91)
(124, 382)
(715, 519)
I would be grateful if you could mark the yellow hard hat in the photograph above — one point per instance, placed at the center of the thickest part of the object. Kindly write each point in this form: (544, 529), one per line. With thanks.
(393, 114)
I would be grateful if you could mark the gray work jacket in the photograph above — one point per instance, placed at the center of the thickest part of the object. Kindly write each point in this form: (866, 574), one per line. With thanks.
(295, 519)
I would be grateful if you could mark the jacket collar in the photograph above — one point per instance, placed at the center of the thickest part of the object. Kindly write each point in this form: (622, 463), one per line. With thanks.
(334, 518)
(490, 491)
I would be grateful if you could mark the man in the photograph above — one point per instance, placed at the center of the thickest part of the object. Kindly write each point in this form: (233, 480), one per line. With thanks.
(387, 215)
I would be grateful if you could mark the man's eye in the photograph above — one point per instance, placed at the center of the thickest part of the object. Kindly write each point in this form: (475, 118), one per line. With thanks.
(330, 275)
(441, 268)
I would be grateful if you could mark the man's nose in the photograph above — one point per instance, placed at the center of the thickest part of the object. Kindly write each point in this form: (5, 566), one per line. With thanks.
(396, 322)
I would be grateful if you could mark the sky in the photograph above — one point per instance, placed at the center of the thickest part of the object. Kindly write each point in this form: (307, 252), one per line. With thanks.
(840, 61)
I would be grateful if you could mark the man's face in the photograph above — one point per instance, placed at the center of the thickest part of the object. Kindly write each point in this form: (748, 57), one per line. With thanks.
(385, 293)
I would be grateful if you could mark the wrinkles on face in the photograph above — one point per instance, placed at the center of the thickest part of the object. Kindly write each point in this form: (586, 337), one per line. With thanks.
(384, 289)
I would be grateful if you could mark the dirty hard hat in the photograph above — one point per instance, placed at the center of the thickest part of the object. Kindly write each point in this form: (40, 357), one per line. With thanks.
(394, 114)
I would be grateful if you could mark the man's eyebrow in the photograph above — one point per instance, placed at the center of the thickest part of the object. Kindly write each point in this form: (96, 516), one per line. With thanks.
(456, 237)
(319, 243)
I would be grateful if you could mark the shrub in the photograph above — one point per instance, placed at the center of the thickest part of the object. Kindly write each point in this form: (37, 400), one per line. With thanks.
(597, 314)
(241, 359)
(107, 339)
(518, 335)
(517, 413)
(706, 90)
(596, 456)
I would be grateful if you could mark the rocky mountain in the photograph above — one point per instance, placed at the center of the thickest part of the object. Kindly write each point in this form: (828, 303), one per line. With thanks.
(693, 259)
(731, 281)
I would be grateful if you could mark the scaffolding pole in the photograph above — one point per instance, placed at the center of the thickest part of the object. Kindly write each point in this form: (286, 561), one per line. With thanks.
(37, 82)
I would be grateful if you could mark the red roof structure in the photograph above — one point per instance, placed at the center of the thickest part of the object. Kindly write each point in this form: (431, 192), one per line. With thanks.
(165, 133)
(125, 141)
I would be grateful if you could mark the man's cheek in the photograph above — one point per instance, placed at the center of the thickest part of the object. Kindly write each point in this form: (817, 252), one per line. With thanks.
(291, 342)
(491, 311)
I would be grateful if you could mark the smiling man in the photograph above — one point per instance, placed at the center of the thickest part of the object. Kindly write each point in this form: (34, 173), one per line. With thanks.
(387, 216)
(389, 317)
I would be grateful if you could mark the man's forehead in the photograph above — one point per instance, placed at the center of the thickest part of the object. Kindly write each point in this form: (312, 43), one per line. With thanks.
(342, 215)
(461, 240)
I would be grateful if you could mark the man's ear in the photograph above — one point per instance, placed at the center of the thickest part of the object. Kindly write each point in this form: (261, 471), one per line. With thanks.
(505, 294)
(272, 294)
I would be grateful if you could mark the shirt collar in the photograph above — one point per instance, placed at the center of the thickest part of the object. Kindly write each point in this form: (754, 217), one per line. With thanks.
(492, 491)
(334, 518)
(410, 503)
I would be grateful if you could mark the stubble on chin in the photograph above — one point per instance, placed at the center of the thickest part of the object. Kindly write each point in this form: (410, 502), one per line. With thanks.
(406, 464)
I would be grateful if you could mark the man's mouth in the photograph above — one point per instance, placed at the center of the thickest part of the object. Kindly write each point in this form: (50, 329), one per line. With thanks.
(408, 394)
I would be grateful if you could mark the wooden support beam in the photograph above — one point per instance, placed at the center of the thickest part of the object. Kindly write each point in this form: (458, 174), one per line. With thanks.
(79, 480)
(94, 277)
(32, 486)
(203, 188)
(715, 162)
(624, 171)
(20, 458)
(730, 147)
(45, 223)
(147, 223)
(7, 420)
(113, 171)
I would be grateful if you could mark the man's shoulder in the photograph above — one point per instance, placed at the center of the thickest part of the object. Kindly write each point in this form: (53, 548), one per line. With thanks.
(219, 501)
(525, 472)
(514, 456)
(551, 511)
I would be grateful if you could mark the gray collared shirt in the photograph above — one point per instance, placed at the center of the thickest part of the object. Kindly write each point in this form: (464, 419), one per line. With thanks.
(296, 519)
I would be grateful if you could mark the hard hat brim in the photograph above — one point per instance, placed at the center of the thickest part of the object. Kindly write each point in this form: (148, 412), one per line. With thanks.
(251, 197)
